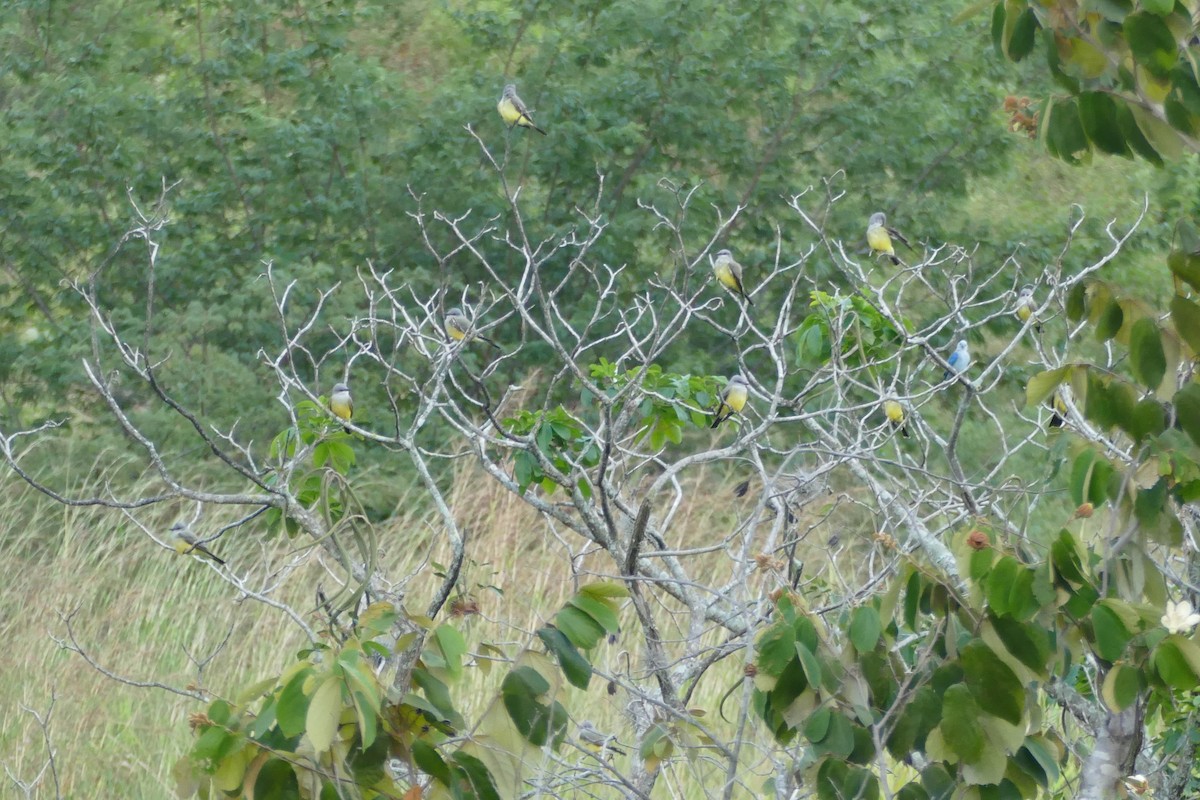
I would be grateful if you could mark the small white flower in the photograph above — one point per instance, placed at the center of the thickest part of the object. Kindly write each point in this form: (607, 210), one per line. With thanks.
(1180, 617)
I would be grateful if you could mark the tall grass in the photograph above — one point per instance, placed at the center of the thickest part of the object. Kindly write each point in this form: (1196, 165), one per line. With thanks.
(143, 612)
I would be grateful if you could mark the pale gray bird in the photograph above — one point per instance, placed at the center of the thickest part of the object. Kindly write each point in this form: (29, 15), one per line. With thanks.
(513, 111)
(1026, 306)
(458, 327)
(959, 360)
(729, 273)
(186, 544)
(594, 740)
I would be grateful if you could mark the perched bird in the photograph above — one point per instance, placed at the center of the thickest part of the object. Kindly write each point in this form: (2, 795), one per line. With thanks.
(729, 273)
(895, 415)
(1026, 305)
(458, 327)
(733, 399)
(340, 402)
(1058, 411)
(513, 111)
(594, 740)
(185, 543)
(958, 360)
(879, 236)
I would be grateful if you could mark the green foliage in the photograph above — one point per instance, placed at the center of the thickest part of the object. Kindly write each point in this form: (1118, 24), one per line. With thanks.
(328, 714)
(1118, 66)
(865, 335)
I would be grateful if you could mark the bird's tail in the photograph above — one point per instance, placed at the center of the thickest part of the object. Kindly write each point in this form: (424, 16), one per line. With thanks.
(895, 260)
(486, 340)
(205, 551)
(529, 124)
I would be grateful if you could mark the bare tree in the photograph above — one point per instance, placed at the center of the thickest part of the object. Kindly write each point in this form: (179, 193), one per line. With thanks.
(609, 448)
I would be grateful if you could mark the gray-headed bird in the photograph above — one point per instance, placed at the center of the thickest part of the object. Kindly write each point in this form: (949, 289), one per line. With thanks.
(458, 327)
(733, 399)
(1026, 305)
(729, 273)
(594, 740)
(513, 111)
(879, 236)
(185, 543)
(340, 402)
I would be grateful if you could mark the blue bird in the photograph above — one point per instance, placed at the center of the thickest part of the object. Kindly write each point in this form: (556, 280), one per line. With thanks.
(959, 359)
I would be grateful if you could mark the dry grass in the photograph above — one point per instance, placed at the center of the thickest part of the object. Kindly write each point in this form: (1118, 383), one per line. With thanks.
(140, 610)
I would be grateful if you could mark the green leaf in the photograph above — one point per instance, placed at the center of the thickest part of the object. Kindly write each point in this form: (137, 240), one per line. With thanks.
(938, 782)
(816, 727)
(839, 740)
(1077, 302)
(998, 29)
(912, 791)
(292, 707)
(1120, 688)
(1098, 113)
(831, 777)
(1149, 419)
(534, 720)
(1064, 134)
(477, 775)
(1186, 316)
(996, 687)
(575, 667)
(1160, 7)
(452, 647)
(583, 631)
(1043, 385)
(776, 648)
(1152, 43)
(599, 610)
(1110, 321)
(865, 628)
(1024, 34)
(1146, 353)
(1110, 632)
(1029, 644)
(960, 725)
(1172, 666)
(276, 781)
(1187, 410)
(605, 589)
(1134, 136)
(430, 762)
(917, 718)
(323, 714)
(808, 661)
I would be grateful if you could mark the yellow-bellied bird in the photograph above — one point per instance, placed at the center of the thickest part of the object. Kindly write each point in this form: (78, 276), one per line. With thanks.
(1026, 305)
(729, 273)
(733, 399)
(340, 402)
(879, 236)
(895, 415)
(513, 111)
(594, 740)
(185, 543)
(458, 327)
(1058, 411)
